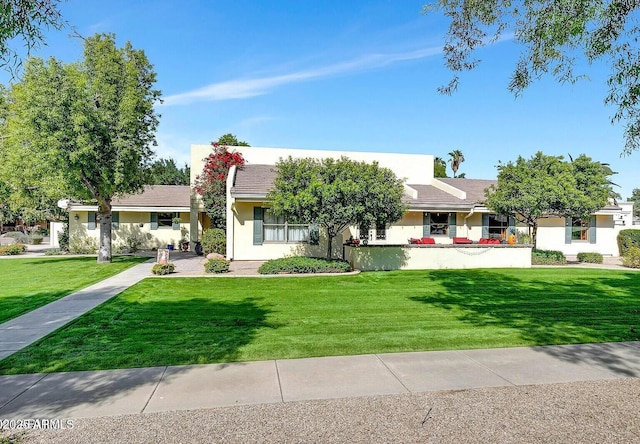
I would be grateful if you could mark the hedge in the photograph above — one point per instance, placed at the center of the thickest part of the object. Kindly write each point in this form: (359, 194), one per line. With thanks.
(161, 269)
(627, 239)
(590, 258)
(302, 264)
(217, 266)
(547, 257)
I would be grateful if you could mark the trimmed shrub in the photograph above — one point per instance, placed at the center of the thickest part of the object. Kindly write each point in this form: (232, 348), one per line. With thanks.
(214, 240)
(63, 237)
(590, 258)
(547, 257)
(35, 238)
(12, 249)
(302, 264)
(217, 266)
(19, 236)
(632, 258)
(162, 269)
(53, 252)
(627, 239)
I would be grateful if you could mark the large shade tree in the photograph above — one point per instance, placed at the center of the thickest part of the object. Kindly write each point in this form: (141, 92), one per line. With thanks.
(555, 35)
(91, 124)
(336, 194)
(544, 186)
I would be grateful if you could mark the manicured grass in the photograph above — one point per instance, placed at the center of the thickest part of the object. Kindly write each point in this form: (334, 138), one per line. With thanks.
(26, 284)
(201, 320)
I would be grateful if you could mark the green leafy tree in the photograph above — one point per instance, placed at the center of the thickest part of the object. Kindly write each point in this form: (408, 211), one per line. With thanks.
(544, 186)
(166, 172)
(455, 159)
(635, 198)
(231, 140)
(336, 194)
(89, 124)
(23, 20)
(553, 34)
(439, 167)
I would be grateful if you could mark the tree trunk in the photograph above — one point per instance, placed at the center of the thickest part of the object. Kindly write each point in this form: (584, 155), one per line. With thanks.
(534, 235)
(104, 216)
(329, 241)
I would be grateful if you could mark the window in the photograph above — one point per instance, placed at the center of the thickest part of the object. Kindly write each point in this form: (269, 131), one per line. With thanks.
(276, 229)
(381, 232)
(579, 229)
(165, 219)
(498, 225)
(439, 223)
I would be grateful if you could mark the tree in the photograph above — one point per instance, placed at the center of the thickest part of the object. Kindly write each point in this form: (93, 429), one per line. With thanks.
(24, 19)
(545, 186)
(166, 172)
(635, 198)
(336, 194)
(439, 167)
(553, 34)
(90, 123)
(455, 159)
(211, 184)
(231, 140)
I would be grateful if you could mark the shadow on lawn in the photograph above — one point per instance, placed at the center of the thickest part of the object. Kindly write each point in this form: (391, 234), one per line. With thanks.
(124, 335)
(576, 308)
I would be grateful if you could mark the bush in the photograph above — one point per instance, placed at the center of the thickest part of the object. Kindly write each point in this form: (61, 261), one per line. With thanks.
(18, 236)
(590, 258)
(214, 240)
(162, 269)
(35, 238)
(53, 252)
(632, 258)
(63, 237)
(524, 237)
(12, 250)
(627, 239)
(133, 242)
(547, 257)
(217, 266)
(83, 245)
(301, 264)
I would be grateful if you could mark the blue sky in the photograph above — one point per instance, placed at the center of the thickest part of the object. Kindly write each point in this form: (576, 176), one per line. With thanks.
(336, 75)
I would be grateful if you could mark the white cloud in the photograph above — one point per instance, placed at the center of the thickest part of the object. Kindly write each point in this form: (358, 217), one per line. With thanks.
(244, 88)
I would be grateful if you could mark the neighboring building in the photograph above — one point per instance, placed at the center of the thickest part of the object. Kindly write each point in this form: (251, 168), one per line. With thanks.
(438, 208)
(158, 216)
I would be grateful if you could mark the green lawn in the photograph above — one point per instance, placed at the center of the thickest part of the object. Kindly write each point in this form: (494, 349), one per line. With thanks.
(206, 320)
(26, 284)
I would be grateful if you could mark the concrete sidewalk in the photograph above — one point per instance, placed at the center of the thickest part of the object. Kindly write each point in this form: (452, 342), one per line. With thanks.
(175, 388)
(28, 328)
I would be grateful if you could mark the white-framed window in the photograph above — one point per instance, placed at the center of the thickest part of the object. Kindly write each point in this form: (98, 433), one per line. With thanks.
(381, 232)
(277, 229)
(579, 229)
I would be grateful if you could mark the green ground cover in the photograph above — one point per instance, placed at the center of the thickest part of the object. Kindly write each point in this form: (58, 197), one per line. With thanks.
(207, 320)
(29, 283)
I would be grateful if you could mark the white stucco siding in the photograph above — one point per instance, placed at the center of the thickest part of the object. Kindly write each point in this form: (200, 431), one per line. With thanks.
(551, 236)
(132, 223)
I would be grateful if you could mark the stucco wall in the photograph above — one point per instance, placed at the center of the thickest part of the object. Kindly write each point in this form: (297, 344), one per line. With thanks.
(551, 236)
(131, 224)
(430, 257)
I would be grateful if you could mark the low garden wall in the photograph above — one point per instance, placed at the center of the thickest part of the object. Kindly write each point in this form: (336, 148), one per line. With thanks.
(431, 257)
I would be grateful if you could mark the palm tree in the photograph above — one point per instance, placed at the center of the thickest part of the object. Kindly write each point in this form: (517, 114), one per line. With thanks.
(455, 159)
(439, 167)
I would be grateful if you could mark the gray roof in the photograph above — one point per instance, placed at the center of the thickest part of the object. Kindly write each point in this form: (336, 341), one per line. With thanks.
(157, 196)
(253, 180)
(473, 187)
